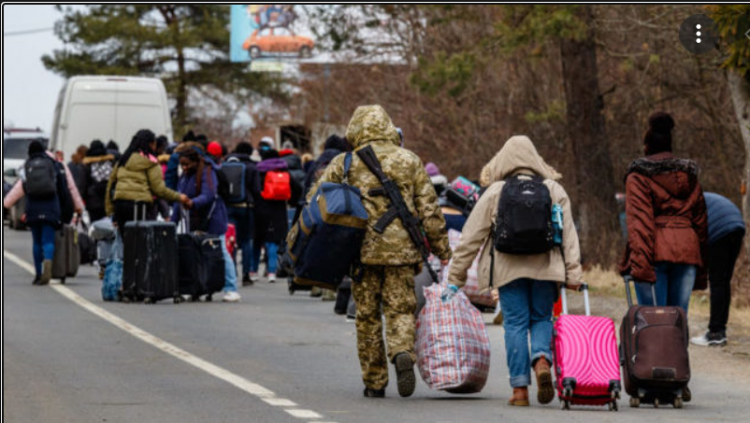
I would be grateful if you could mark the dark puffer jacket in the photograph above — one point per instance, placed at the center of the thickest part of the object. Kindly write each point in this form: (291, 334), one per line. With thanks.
(666, 217)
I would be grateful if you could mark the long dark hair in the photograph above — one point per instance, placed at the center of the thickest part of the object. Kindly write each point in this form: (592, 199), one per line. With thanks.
(195, 157)
(141, 143)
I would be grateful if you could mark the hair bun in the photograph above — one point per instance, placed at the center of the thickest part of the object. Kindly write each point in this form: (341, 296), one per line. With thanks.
(661, 122)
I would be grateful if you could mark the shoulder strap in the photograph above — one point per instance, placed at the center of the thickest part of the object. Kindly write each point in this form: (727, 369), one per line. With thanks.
(347, 165)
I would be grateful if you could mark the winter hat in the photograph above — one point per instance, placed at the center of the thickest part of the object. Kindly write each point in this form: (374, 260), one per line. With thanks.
(658, 138)
(214, 149)
(269, 154)
(335, 142)
(286, 152)
(266, 143)
(36, 147)
(432, 169)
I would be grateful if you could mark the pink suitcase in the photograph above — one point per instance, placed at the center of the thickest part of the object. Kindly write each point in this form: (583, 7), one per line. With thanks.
(587, 365)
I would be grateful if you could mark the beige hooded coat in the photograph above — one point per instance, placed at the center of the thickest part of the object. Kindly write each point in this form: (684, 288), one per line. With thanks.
(518, 156)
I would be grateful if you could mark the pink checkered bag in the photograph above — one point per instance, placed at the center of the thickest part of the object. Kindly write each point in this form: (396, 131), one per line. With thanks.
(453, 348)
(471, 289)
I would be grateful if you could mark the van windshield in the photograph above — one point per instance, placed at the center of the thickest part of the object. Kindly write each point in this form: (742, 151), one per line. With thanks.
(18, 148)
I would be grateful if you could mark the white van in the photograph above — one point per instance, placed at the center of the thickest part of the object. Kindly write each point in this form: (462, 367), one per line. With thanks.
(108, 108)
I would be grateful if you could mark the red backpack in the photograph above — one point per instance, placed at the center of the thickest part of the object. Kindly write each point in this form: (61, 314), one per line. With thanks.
(277, 186)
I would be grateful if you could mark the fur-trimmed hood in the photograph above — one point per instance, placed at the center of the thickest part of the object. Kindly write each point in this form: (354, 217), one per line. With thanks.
(678, 176)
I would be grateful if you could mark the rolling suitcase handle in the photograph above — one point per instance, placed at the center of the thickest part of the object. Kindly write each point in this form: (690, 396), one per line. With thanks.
(628, 279)
(583, 287)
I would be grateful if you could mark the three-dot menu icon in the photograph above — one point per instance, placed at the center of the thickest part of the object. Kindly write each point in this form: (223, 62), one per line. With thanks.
(698, 34)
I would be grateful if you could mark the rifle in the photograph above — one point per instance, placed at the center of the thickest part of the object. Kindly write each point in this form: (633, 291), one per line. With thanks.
(398, 207)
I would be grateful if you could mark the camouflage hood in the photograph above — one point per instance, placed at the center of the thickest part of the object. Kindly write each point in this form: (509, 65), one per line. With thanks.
(369, 124)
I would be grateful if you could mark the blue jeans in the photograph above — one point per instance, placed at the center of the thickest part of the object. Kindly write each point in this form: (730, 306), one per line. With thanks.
(243, 225)
(527, 308)
(272, 250)
(674, 285)
(43, 235)
(230, 273)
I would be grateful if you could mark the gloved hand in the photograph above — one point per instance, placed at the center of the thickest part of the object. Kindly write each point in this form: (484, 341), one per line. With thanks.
(448, 293)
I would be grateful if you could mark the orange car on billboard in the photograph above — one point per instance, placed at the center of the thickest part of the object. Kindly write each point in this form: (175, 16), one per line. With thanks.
(278, 40)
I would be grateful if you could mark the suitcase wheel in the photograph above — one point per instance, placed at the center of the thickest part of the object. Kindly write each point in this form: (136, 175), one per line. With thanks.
(209, 298)
(123, 298)
(613, 406)
(564, 405)
(635, 402)
(177, 299)
(677, 402)
(148, 300)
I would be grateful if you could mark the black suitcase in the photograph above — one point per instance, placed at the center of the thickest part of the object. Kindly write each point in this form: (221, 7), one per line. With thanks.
(201, 260)
(342, 296)
(150, 262)
(67, 254)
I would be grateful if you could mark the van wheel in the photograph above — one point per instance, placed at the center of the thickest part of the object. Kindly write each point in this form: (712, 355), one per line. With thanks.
(254, 52)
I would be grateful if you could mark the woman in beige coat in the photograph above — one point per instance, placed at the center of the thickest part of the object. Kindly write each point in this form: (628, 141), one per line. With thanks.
(527, 284)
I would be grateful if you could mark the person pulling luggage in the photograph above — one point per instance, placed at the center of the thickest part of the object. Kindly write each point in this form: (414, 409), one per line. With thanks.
(47, 194)
(522, 258)
(135, 180)
(207, 211)
(389, 258)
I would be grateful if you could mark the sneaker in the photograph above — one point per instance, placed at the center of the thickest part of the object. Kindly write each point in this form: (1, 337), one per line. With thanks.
(710, 339)
(350, 319)
(46, 272)
(374, 393)
(36, 280)
(231, 297)
(254, 277)
(271, 277)
(247, 280)
(687, 396)
(407, 381)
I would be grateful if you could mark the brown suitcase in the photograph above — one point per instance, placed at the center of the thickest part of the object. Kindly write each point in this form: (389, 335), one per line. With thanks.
(653, 353)
(67, 254)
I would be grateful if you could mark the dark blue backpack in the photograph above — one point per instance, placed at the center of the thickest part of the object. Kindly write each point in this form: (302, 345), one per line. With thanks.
(326, 239)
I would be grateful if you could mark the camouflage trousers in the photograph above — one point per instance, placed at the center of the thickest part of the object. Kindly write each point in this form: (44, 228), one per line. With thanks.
(393, 287)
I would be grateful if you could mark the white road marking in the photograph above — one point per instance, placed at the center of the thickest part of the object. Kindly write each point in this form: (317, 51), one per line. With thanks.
(304, 414)
(238, 381)
(280, 402)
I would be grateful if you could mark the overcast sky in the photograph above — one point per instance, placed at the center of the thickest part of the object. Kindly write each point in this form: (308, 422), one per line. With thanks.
(29, 90)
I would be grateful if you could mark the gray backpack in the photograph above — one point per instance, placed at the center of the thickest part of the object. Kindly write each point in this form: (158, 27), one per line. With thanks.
(41, 178)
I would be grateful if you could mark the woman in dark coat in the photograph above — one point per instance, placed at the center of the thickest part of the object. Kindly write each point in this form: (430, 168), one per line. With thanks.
(666, 220)
(271, 218)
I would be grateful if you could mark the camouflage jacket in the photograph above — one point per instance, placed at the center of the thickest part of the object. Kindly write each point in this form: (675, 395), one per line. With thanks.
(372, 125)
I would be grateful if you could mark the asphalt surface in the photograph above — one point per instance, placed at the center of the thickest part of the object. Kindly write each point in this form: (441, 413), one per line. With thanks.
(62, 363)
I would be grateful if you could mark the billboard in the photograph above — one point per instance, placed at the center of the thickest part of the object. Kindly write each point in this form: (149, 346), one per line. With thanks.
(266, 31)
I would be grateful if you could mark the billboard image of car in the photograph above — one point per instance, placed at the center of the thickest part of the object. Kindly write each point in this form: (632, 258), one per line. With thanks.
(266, 30)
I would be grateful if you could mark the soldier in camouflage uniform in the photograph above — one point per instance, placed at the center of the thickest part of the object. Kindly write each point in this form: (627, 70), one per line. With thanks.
(390, 260)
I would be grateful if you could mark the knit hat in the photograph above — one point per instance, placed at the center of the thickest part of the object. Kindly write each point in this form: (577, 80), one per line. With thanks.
(286, 152)
(214, 149)
(432, 169)
(266, 142)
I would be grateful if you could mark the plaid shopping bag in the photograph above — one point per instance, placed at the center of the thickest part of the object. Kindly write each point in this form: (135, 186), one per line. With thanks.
(453, 348)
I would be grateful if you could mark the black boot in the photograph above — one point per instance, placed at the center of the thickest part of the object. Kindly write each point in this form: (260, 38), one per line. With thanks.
(374, 393)
(407, 381)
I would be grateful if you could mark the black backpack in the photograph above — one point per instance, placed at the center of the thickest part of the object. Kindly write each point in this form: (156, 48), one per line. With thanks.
(235, 171)
(41, 178)
(524, 217)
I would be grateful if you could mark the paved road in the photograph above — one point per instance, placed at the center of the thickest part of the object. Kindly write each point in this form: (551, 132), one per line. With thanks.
(63, 363)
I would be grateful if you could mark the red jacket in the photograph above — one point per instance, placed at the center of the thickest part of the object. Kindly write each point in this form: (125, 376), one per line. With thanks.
(666, 217)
